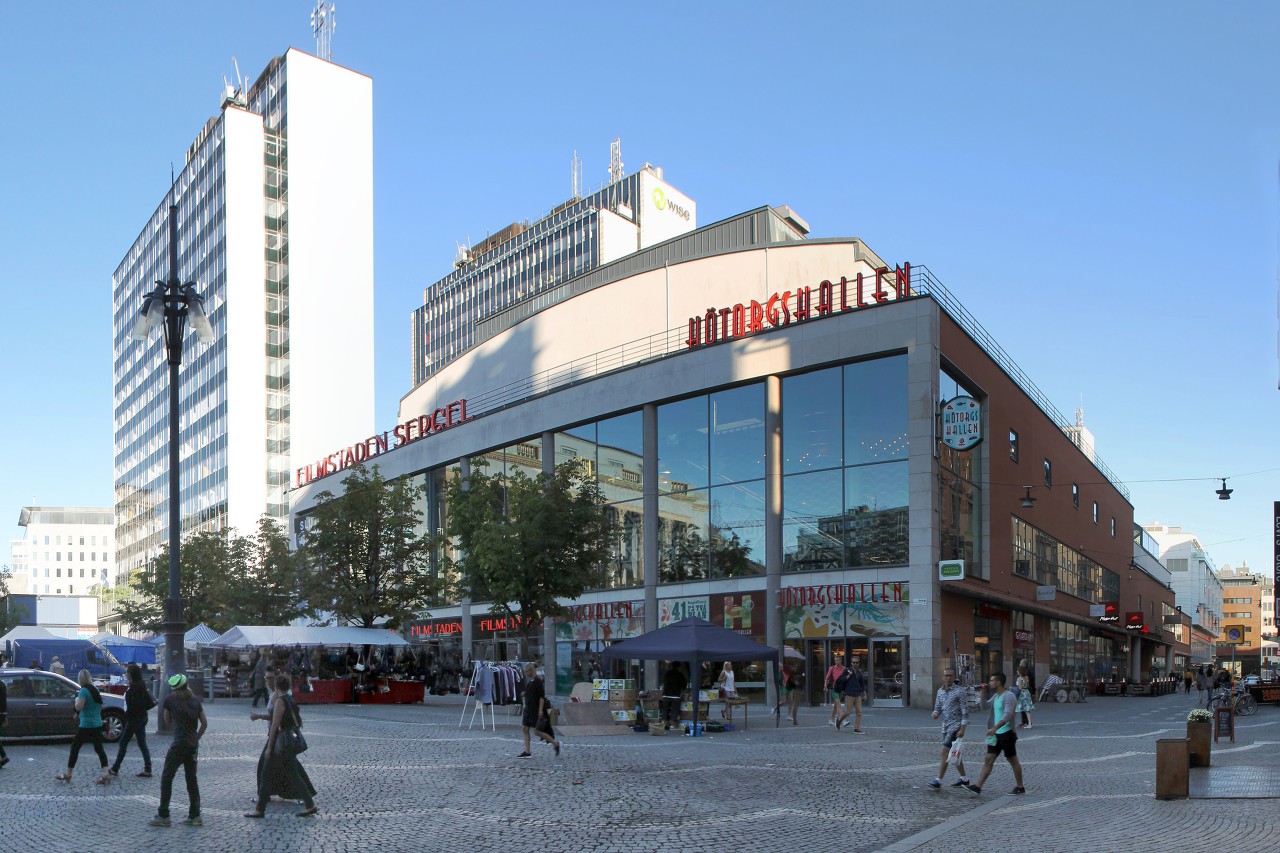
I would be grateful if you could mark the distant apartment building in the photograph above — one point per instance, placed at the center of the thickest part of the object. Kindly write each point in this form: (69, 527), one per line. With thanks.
(275, 228)
(510, 270)
(1249, 602)
(1196, 586)
(64, 550)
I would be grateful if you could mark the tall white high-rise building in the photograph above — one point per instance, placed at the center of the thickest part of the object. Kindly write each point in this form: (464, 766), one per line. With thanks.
(275, 227)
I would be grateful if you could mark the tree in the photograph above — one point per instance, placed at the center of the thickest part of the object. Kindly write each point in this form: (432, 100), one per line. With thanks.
(227, 580)
(11, 613)
(268, 588)
(206, 566)
(368, 562)
(527, 541)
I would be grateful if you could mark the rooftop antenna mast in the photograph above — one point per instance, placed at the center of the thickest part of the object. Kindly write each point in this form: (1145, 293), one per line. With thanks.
(576, 175)
(615, 160)
(323, 22)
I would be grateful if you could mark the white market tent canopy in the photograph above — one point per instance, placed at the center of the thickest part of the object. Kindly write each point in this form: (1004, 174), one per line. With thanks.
(30, 632)
(245, 636)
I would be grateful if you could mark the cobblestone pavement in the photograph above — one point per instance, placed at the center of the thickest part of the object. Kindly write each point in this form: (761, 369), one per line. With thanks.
(400, 778)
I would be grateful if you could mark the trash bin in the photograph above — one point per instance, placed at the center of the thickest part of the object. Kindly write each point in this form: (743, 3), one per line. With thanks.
(1172, 771)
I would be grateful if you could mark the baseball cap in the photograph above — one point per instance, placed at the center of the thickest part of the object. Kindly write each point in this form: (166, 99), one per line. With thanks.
(177, 681)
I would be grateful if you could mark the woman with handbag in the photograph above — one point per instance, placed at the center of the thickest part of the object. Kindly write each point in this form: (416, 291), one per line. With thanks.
(535, 717)
(137, 702)
(279, 771)
(727, 685)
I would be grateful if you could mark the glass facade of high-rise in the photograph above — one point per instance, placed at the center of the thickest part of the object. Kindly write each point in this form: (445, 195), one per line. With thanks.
(142, 389)
(524, 261)
(239, 242)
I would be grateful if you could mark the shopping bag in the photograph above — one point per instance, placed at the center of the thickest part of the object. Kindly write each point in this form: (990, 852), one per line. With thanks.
(956, 755)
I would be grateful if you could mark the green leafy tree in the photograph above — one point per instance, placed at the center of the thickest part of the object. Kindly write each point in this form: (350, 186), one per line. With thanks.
(268, 587)
(11, 613)
(527, 541)
(227, 580)
(368, 561)
(206, 583)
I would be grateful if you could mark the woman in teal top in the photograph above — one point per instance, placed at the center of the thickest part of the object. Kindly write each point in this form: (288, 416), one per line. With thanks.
(89, 709)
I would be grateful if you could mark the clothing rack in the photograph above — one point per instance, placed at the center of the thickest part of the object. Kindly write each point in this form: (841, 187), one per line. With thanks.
(483, 690)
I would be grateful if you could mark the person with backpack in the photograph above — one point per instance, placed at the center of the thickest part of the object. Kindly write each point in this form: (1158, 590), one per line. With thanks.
(855, 690)
(137, 702)
(834, 682)
(279, 771)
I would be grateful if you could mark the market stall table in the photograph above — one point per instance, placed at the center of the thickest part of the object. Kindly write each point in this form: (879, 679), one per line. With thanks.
(325, 692)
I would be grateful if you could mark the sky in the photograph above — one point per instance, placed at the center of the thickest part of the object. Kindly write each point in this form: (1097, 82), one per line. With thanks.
(1096, 182)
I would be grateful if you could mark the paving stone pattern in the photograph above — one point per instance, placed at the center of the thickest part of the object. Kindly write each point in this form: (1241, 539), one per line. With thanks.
(402, 778)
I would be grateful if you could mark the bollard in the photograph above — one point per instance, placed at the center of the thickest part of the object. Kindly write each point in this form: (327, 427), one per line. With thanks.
(1172, 769)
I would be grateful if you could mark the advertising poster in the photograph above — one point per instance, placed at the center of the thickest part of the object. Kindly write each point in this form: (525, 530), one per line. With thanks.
(845, 610)
(742, 613)
(674, 609)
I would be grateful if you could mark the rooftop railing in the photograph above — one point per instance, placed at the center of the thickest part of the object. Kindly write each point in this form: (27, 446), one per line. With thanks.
(672, 342)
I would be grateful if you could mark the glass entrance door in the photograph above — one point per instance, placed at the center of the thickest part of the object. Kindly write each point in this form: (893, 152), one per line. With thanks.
(888, 672)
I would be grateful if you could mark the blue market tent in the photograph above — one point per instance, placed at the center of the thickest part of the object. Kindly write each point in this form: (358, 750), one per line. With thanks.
(126, 649)
(694, 640)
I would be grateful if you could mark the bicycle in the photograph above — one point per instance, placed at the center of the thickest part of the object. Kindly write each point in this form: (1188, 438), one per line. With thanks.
(1243, 701)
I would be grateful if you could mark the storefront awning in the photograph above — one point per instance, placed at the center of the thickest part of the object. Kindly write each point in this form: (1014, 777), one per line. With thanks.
(247, 636)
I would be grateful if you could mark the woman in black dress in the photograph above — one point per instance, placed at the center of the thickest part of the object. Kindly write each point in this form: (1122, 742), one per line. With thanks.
(279, 771)
(535, 709)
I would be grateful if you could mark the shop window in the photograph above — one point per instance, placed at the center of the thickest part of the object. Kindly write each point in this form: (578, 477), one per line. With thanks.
(1013, 445)
(812, 421)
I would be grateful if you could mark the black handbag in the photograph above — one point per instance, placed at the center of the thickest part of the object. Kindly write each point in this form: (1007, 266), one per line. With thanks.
(290, 742)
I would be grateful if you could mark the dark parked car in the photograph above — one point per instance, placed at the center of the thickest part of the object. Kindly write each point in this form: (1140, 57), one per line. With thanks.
(43, 704)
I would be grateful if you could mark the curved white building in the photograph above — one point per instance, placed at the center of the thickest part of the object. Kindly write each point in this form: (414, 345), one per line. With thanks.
(762, 411)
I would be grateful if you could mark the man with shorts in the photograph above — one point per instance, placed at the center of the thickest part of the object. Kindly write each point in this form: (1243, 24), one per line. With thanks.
(952, 705)
(1001, 737)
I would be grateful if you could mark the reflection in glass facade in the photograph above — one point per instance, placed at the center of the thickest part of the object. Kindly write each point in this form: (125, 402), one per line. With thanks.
(845, 495)
(713, 439)
(844, 492)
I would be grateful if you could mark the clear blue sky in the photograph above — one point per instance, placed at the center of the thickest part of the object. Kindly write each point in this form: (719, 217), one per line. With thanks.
(1096, 183)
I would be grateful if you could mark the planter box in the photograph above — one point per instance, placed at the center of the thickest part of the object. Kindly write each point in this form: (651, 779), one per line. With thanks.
(1199, 742)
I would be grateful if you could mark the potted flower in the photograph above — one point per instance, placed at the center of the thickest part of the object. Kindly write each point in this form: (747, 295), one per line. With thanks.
(1199, 736)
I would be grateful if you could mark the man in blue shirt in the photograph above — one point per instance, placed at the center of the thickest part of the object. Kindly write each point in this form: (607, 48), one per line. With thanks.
(1001, 737)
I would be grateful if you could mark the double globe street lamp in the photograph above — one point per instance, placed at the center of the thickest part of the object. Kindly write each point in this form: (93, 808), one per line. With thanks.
(171, 305)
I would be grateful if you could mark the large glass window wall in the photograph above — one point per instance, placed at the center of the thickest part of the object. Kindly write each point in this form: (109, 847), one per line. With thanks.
(711, 485)
(1042, 558)
(612, 453)
(844, 440)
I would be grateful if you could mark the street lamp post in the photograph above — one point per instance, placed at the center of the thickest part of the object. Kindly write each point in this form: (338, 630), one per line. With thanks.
(172, 304)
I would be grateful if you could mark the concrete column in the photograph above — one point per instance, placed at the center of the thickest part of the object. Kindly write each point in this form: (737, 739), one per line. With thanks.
(773, 522)
(649, 474)
(930, 639)
(468, 638)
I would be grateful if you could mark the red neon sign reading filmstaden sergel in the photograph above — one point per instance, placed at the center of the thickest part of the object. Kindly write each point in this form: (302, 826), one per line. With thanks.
(414, 429)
